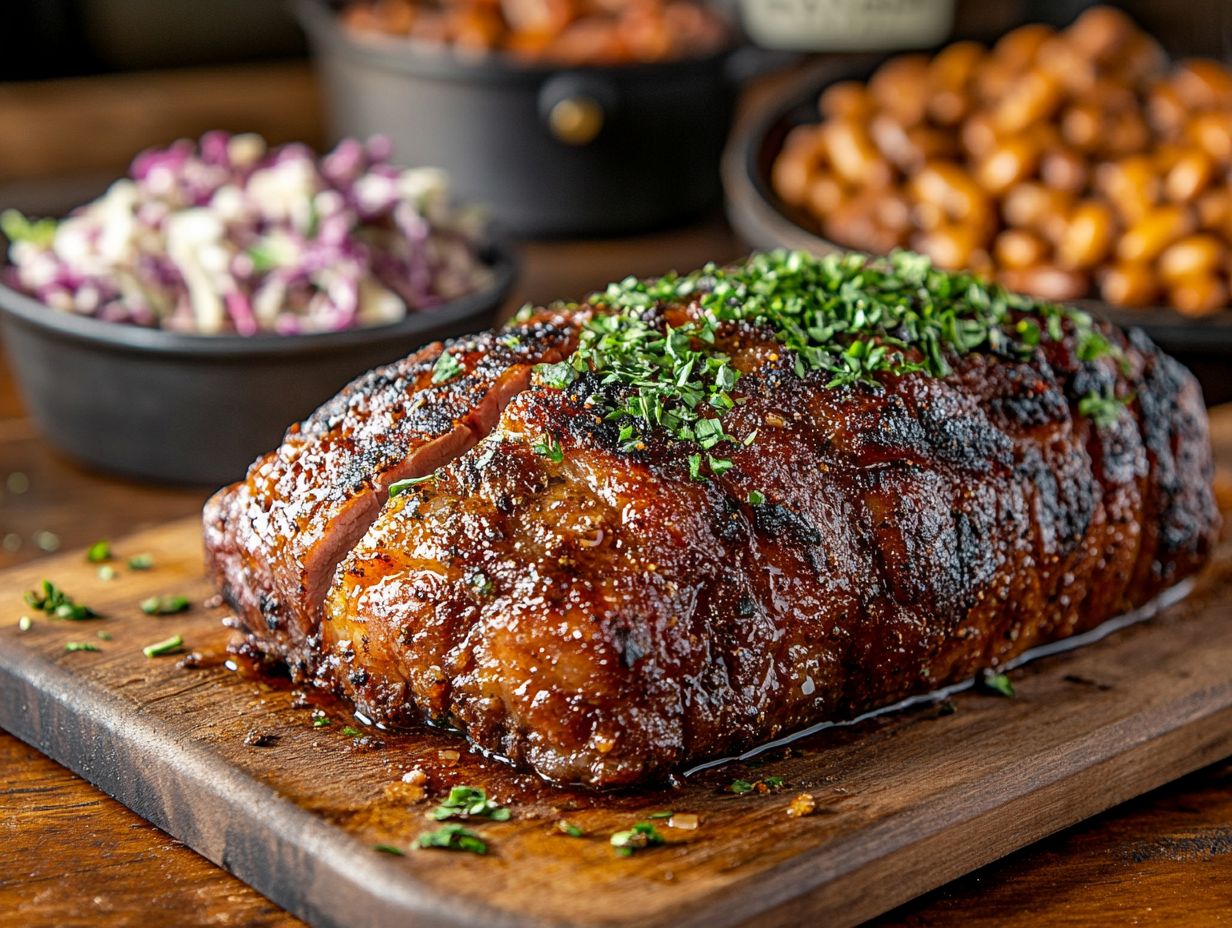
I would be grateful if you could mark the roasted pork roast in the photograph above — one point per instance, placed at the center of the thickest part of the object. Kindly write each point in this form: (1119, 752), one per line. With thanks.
(834, 484)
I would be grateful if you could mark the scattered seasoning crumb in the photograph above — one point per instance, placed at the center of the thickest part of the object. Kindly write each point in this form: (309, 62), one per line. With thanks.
(47, 541)
(570, 829)
(299, 699)
(453, 837)
(25, 623)
(640, 836)
(106, 572)
(470, 802)
(98, 552)
(448, 758)
(193, 660)
(104, 635)
(684, 822)
(260, 739)
(172, 645)
(11, 542)
(389, 849)
(213, 602)
(352, 732)
(319, 718)
(17, 483)
(802, 805)
(165, 605)
(997, 684)
(81, 646)
(141, 562)
(415, 777)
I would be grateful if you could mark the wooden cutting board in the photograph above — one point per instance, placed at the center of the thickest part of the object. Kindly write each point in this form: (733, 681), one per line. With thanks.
(234, 766)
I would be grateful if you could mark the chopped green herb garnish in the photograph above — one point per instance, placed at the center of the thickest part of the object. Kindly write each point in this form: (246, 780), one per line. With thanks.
(17, 228)
(470, 801)
(401, 486)
(352, 732)
(997, 683)
(81, 646)
(98, 552)
(850, 317)
(165, 605)
(58, 604)
(103, 635)
(25, 623)
(389, 849)
(549, 448)
(171, 645)
(740, 787)
(640, 836)
(660, 815)
(106, 572)
(757, 498)
(453, 837)
(1103, 411)
(320, 719)
(570, 829)
(141, 562)
(774, 782)
(765, 785)
(445, 369)
(480, 583)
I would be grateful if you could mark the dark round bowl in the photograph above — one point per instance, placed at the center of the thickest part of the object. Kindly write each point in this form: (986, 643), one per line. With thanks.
(764, 221)
(650, 160)
(197, 409)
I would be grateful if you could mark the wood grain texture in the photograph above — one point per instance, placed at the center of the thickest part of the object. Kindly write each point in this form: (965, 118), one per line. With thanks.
(907, 801)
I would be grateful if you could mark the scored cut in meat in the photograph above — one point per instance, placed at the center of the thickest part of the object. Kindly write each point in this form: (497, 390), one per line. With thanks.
(273, 540)
(592, 611)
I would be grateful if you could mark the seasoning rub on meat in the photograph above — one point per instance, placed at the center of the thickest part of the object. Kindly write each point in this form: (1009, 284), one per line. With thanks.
(694, 513)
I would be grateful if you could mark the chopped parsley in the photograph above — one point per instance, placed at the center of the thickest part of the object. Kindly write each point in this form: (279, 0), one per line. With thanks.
(480, 583)
(321, 721)
(445, 369)
(389, 849)
(172, 645)
(165, 605)
(58, 604)
(398, 488)
(667, 814)
(850, 317)
(17, 228)
(81, 646)
(106, 572)
(640, 836)
(453, 837)
(548, 447)
(141, 562)
(1102, 410)
(470, 802)
(757, 498)
(98, 552)
(352, 732)
(764, 785)
(996, 683)
(25, 623)
(570, 829)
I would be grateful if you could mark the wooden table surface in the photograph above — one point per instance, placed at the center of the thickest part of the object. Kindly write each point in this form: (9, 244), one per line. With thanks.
(69, 855)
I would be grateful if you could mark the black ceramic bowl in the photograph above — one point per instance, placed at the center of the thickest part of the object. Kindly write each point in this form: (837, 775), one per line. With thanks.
(764, 221)
(550, 150)
(198, 409)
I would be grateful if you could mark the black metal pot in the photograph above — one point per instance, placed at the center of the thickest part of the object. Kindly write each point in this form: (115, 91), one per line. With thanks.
(551, 151)
(197, 409)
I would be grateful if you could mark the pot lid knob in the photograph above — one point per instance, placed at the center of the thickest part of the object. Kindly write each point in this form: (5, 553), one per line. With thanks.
(576, 119)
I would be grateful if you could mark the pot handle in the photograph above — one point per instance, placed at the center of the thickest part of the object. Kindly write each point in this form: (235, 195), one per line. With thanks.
(574, 108)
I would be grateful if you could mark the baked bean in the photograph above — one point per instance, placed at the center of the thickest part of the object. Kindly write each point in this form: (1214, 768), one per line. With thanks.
(1009, 163)
(950, 246)
(1203, 84)
(1101, 32)
(1088, 236)
(949, 73)
(1191, 256)
(1198, 295)
(1165, 110)
(1215, 211)
(825, 192)
(792, 171)
(1046, 282)
(1150, 235)
(1129, 285)
(1018, 47)
(1188, 176)
(1064, 169)
(1033, 98)
(1019, 248)
(900, 86)
(1131, 185)
(1035, 207)
(853, 156)
(846, 100)
(1082, 125)
(978, 135)
(1212, 132)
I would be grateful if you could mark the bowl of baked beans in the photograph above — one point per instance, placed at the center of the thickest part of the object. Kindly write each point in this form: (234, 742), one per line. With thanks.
(1076, 164)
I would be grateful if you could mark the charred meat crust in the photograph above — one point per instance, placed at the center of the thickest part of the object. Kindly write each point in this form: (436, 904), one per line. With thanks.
(603, 618)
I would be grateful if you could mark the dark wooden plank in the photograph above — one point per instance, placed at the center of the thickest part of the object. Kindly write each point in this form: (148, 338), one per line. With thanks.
(907, 801)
